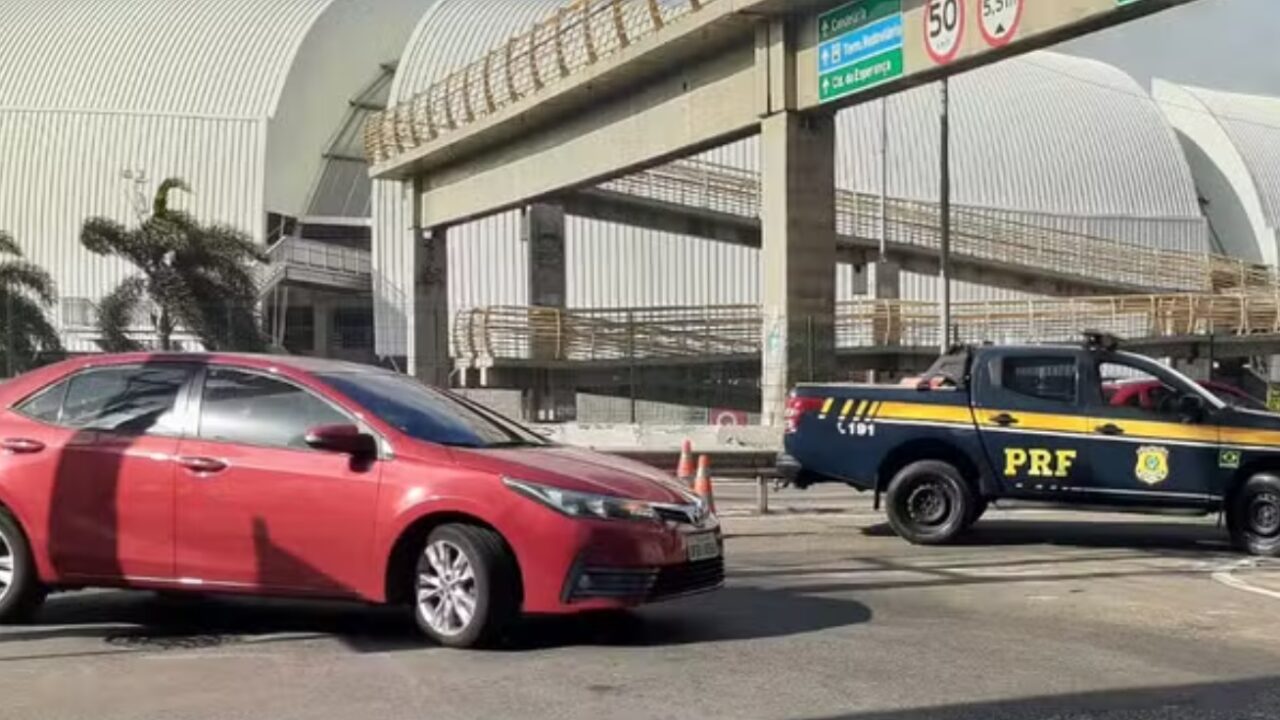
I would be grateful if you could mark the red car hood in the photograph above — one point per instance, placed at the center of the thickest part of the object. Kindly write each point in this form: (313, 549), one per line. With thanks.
(582, 470)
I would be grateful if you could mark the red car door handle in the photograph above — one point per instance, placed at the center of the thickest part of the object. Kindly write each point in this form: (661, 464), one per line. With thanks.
(202, 464)
(21, 446)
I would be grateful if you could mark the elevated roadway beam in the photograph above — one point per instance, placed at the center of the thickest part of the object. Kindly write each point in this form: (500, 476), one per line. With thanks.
(708, 78)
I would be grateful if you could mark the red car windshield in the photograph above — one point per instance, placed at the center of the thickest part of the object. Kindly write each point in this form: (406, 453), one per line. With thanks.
(428, 414)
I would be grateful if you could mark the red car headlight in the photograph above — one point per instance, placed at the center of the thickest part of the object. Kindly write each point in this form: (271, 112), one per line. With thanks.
(583, 505)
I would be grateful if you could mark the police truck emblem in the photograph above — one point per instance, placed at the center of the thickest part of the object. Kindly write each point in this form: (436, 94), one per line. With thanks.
(1153, 465)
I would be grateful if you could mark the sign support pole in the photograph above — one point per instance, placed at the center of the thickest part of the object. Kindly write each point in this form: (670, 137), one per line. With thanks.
(884, 181)
(944, 261)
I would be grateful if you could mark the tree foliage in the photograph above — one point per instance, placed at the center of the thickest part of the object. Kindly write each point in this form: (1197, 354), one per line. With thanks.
(190, 276)
(27, 338)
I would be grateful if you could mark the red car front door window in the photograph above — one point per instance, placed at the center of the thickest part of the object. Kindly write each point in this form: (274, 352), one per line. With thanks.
(257, 508)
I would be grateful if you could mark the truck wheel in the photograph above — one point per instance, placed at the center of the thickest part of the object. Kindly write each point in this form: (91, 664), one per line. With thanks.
(1253, 516)
(929, 502)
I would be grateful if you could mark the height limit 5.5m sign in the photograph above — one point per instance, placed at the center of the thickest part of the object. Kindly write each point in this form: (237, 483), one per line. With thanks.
(943, 29)
(999, 20)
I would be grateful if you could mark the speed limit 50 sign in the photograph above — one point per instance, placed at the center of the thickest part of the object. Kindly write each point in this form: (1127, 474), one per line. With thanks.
(943, 29)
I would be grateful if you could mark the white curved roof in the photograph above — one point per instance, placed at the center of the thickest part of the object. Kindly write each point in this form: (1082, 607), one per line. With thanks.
(223, 58)
(238, 97)
(452, 33)
(1043, 133)
(1252, 122)
(1233, 144)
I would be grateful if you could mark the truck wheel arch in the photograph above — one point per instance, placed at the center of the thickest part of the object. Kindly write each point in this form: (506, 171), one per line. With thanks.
(1246, 471)
(931, 449)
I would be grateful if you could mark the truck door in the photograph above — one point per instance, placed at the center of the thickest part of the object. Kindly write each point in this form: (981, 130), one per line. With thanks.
(1146, 448)
(1027, 406)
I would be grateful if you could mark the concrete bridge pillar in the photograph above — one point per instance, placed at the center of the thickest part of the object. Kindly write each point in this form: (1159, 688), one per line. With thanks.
(798, 257)
(430, 361)
(550, 398)
(321, 322)
(542, 227)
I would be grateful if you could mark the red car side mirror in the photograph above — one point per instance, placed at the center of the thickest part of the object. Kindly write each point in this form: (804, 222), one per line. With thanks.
(346, 439)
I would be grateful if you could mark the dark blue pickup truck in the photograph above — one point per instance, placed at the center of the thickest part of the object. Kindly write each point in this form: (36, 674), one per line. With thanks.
(1085, 426)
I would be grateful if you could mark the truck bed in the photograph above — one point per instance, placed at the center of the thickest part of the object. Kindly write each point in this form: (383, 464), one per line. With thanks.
(842, 433)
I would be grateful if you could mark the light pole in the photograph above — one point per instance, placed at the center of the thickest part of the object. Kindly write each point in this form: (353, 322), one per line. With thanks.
(944, 260)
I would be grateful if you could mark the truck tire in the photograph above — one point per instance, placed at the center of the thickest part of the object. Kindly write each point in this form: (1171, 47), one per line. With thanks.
(1253, 516)
(930, 503)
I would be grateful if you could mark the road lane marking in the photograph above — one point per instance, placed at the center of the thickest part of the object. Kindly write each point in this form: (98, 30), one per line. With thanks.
(1226, 576)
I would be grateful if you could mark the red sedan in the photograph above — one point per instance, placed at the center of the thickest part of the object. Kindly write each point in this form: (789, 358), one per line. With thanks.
(299, 477)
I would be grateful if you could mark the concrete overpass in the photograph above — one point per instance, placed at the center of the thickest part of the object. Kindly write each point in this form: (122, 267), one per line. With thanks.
(576, 103)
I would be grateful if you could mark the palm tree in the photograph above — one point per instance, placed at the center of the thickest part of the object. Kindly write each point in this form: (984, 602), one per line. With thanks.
(191, 276)
(26, 292)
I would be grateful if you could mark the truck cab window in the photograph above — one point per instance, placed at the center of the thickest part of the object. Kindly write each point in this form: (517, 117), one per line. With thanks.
(1138, 392)
(1051, 379)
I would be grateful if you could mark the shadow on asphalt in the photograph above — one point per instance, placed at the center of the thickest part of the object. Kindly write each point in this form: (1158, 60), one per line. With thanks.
(735, 613)
(145, 621)
(1255, 698)
(141, 620)
(905, 563)
(1116, 534)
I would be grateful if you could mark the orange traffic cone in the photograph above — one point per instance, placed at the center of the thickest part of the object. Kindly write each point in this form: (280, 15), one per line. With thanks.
(702, 483)
(684, 470)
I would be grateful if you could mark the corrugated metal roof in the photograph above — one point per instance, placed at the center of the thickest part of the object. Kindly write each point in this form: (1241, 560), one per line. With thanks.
(1045, 132)
(71, 166)
(199, 89)
(228, 58)
(1252, 122)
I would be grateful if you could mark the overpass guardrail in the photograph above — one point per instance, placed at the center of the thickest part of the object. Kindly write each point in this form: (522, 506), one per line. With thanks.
(485, 336)
(575, 37)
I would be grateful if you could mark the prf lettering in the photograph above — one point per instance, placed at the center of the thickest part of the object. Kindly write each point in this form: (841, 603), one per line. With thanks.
(1038, 463)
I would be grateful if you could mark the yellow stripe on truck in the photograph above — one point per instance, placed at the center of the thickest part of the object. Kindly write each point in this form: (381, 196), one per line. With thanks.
(848, 408)
(1047, 422)
(1248, 436)
(1160, 430)
(1070, 424)
(958, 414)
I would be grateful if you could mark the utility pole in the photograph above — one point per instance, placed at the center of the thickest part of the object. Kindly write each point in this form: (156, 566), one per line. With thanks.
(944, 260)
(884, 183)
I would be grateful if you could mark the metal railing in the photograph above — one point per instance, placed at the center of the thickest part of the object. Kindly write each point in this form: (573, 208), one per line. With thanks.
(577, 36)
(981, 234)
(550, 334)
(483, 336)
(292, 252)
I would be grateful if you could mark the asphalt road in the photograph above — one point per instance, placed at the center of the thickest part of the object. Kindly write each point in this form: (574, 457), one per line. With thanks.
(827, 615)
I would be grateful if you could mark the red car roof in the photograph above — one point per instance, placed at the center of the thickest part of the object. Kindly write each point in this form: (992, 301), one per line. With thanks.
(25, 384)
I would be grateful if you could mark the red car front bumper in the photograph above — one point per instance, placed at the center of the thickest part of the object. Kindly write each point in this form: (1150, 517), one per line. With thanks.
(571, 565)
